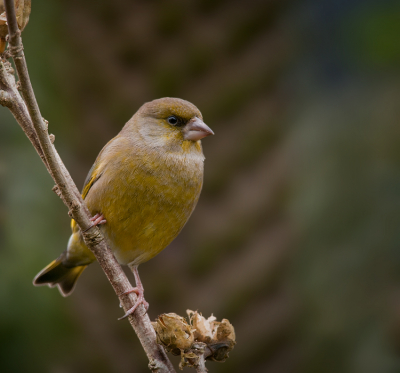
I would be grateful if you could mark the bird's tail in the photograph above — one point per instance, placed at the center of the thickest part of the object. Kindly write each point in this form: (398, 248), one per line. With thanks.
(59, 274)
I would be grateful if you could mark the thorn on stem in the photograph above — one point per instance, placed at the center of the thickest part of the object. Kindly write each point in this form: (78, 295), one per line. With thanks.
(56, 190)
(46, 122)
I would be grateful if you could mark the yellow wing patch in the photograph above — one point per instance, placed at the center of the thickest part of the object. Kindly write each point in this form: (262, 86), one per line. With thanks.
(92, 177)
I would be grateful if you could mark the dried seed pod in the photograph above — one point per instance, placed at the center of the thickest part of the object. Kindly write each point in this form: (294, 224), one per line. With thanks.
(22, 12)
(224, 339)
(219, 336)
(173, 332)
(224, 331)
(202, 327)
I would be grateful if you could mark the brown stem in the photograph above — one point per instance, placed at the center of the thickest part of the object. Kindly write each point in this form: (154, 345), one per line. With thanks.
(201, 365)
(199, 349)
(27, 114)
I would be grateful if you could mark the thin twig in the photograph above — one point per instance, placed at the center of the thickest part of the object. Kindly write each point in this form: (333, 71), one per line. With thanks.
(29, 118)
(201, 365)
(199, 349)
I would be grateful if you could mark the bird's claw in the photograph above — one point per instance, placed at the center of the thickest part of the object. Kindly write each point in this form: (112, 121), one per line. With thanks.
(96, 220)
(140, 300)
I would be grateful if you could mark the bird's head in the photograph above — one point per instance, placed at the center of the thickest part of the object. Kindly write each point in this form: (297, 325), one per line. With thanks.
(172, 121)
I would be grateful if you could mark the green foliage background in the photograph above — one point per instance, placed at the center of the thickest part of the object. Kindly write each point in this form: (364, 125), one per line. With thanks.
(296, 236)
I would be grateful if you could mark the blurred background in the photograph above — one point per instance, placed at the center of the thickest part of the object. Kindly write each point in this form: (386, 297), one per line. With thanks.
(296, 236)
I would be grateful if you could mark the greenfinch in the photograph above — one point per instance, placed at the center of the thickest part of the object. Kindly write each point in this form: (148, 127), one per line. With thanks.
(142, 189)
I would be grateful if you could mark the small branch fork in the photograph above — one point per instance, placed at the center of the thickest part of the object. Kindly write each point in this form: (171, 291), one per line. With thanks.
(27, 114)
(199, 349)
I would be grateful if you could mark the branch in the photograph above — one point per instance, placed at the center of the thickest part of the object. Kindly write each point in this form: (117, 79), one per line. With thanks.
(201, 365)
(29, 118)
(199, 349)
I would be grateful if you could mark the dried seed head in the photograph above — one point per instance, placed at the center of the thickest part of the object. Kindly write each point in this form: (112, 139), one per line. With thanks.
(202, 327)
(22, 12)
(219, 336)
(201, 337)
(173, 332)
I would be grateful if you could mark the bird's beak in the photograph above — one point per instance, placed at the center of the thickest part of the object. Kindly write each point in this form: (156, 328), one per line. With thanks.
(196, 129)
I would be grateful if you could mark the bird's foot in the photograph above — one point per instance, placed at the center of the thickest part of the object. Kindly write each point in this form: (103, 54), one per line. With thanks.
(96, 220)
(140, 300)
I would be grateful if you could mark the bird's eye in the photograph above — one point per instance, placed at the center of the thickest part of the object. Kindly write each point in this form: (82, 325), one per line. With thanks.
(172, 120)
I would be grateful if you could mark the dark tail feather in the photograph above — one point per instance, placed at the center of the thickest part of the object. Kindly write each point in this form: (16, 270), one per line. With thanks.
(57, 274)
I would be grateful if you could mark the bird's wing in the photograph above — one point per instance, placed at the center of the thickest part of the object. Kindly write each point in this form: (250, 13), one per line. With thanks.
(96, 171)
(94, 174)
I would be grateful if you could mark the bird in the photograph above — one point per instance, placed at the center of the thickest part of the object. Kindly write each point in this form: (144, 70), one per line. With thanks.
(141, 191)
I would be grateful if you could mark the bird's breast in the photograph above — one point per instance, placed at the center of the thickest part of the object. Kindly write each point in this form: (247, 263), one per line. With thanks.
(146, 201)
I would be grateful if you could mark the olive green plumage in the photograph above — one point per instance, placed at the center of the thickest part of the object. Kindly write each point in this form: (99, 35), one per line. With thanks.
(146, 182)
